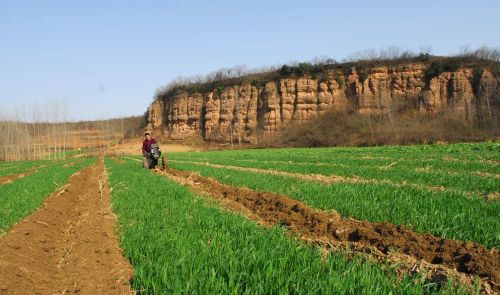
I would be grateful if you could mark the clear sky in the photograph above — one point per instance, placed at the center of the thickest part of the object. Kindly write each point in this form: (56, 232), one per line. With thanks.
(107, 58)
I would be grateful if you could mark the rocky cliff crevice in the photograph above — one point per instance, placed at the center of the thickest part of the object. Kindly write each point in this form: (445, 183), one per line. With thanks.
(238, 113)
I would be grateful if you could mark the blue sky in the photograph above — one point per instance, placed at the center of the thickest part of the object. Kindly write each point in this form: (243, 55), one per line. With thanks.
(107, 58)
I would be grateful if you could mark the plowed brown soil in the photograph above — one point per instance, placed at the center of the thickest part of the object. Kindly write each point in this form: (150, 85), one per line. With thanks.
(68, 245)
(386, 238)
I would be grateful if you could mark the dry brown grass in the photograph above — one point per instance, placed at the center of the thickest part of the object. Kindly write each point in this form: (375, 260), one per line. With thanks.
(342, 129)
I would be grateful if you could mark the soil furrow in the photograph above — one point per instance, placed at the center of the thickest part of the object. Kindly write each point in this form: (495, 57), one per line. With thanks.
(442, 257)
(68, 245)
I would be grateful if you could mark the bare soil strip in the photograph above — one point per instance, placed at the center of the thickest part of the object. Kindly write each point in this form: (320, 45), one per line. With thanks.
(293, 162)
(332, 178)
(486, 161)
(487, 174)
(68, 245)
(308, 177)
(442, 258)
(28, 171)
(426, 169)
(74, 162)
(13, 177)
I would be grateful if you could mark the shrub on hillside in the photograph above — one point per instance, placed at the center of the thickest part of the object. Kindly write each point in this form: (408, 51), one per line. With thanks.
(286, 70)
(434, 69)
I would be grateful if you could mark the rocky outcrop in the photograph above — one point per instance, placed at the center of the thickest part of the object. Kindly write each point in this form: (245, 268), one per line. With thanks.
(155, 115)
(239, 113)
(183, 115)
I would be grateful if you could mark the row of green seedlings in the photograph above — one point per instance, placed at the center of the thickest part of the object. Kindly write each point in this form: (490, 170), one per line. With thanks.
(4, 165)
(179, 243)
(462, 153)
(461, 183)
(469, 162)
(362, 162)
(476, 178)
(444, 171)
(440, 213)
(466, 152)
(20, 167)
(342, 160)
(20, 198)
(486, 154)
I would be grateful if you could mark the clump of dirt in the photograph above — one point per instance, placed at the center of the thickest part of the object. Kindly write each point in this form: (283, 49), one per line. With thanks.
(387, 239)
(68, 245)
(487, 174)
(493, 196)
(118, 160)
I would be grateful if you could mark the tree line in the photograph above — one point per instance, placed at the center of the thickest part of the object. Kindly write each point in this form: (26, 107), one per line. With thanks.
(46, 133)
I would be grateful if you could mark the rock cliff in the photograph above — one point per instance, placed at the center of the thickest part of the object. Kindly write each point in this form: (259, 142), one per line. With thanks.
(238, 113)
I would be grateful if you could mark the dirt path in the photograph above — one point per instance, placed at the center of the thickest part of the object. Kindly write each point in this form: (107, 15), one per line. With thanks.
(442, 258)
(68, 245)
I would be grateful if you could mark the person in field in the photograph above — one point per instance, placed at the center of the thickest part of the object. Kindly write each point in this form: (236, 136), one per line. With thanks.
(150, 151)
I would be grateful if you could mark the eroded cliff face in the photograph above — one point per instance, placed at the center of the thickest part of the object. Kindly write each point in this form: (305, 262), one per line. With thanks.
(238, 113)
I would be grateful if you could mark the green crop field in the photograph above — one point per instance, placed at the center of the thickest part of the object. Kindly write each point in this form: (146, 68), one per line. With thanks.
(181, 244)
(182, 236)
(448, 191)
(23, 196)
(19, 167)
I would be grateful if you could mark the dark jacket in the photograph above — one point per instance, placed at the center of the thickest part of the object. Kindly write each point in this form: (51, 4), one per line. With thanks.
(146, 145)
